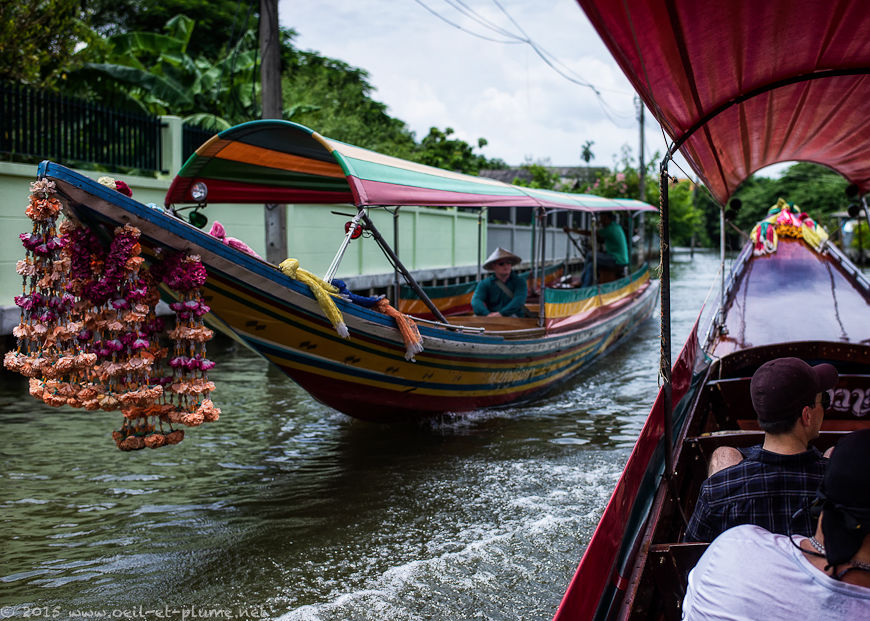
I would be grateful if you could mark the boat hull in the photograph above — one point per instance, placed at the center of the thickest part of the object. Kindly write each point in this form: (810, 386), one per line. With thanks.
(797, 302)
(366, 375)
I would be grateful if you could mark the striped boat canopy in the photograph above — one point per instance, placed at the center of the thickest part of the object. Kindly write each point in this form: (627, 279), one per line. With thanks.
(275, 161)
(740, 85)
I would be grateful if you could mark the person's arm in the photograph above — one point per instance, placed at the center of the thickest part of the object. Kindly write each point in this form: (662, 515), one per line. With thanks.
(478, 300)
(520, 289)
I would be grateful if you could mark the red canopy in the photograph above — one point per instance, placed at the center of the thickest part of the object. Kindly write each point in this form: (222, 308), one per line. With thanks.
(743, 84)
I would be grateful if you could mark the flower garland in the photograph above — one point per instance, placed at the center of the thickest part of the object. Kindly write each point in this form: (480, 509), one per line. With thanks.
(89, 336)
(785, 220)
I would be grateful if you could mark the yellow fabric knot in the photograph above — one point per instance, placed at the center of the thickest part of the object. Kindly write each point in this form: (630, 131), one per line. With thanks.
(322, 291)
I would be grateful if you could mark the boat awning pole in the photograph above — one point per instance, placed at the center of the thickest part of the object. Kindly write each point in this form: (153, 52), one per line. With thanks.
(395, 260)
(542, 282)
(721, 318)
(665, 290)
(336, 261)
(532, 271)
(480, 218)
(593, 238)
(396, 289)
(866, 209)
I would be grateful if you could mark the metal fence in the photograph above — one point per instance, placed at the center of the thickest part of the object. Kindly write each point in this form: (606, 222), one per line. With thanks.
(36, 124)
(192, 136)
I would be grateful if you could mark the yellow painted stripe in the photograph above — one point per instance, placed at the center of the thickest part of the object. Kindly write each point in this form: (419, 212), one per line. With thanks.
(566, 309)
(456, 391)
(212, 147)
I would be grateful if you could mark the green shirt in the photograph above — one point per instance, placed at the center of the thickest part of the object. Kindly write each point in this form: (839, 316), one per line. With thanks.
(488, 297)
(614, 242)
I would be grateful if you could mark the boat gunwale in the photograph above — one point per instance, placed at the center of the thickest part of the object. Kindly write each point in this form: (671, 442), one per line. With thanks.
(187, 234)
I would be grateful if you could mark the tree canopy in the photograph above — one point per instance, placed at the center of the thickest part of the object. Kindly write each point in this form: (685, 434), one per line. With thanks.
(199, 59)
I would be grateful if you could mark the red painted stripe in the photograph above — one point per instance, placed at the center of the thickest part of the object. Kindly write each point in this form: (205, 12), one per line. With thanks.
(235, 192)
(357, 399)
(383, 193)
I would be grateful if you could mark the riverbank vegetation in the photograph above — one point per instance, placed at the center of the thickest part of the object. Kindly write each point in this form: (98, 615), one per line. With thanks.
(199, 59)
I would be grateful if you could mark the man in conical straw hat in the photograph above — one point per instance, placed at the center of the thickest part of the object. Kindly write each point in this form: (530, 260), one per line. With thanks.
(502, 293)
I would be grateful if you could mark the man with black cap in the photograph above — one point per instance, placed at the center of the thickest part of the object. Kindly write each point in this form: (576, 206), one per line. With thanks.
(774, 479)
(750, 573)
(502, 293)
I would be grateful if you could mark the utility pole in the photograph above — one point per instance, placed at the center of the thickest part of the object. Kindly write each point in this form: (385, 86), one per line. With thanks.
(270, 93)
(641, 166)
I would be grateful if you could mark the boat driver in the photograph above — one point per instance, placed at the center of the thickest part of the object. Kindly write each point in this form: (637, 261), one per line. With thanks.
(771, 481)
(750, 573)
(502, 293)
(615, 255)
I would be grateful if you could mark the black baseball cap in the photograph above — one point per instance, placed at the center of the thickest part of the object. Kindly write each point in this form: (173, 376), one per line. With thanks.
(780, 388)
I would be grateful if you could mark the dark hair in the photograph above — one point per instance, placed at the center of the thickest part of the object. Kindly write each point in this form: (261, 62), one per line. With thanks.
(784, 425)
(778, 427)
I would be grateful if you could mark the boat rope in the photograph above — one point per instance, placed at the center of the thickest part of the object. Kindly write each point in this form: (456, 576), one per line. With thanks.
(407, 327)
(322, 290)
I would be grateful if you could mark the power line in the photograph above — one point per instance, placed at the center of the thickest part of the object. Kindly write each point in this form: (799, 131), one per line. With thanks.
(459, 27)
(523, 38)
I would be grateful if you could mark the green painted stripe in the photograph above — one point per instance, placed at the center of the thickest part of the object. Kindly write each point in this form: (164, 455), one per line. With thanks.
(371, 171)
(567, 296)
(228, 170)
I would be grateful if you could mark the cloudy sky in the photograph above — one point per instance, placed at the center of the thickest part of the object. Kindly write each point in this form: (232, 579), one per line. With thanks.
(431, 73)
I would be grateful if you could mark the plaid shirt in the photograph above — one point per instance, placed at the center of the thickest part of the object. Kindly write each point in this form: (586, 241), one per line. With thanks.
(765, 489)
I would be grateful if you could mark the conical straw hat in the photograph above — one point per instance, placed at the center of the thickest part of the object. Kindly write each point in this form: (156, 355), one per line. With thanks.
(500, 254)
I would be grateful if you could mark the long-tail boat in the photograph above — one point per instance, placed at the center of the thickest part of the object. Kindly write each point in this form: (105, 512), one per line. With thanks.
(737, 86)
(341, 349)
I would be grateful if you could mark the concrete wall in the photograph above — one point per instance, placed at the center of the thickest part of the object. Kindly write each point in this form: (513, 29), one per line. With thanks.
(435, 244)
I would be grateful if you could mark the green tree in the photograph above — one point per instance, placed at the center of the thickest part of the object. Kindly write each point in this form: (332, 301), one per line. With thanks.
(541, 177)
(437, 148)
(335, 99)
(861, 240)
(155, 73)
(816, 189)
(623, 180)
(687, 220)
(586, 152)
(37, 40)
(219, 23)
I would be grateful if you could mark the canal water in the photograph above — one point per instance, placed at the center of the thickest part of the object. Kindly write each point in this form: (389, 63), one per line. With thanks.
(287, 509)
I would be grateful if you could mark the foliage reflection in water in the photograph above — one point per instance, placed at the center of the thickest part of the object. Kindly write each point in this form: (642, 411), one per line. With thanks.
(288, 507)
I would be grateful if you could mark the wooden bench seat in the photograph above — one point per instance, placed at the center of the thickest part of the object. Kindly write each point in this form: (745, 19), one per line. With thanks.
(670, 564)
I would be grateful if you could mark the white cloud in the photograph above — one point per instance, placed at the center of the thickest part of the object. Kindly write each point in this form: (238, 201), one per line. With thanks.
(431, 74)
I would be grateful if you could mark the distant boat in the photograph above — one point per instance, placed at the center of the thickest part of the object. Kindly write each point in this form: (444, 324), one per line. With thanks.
(738, 86)
(460, 363)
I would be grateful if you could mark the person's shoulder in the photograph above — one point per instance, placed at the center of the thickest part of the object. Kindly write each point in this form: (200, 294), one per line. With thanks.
(744, 533)
(731, 474)
(721, 488)
(745, 542)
